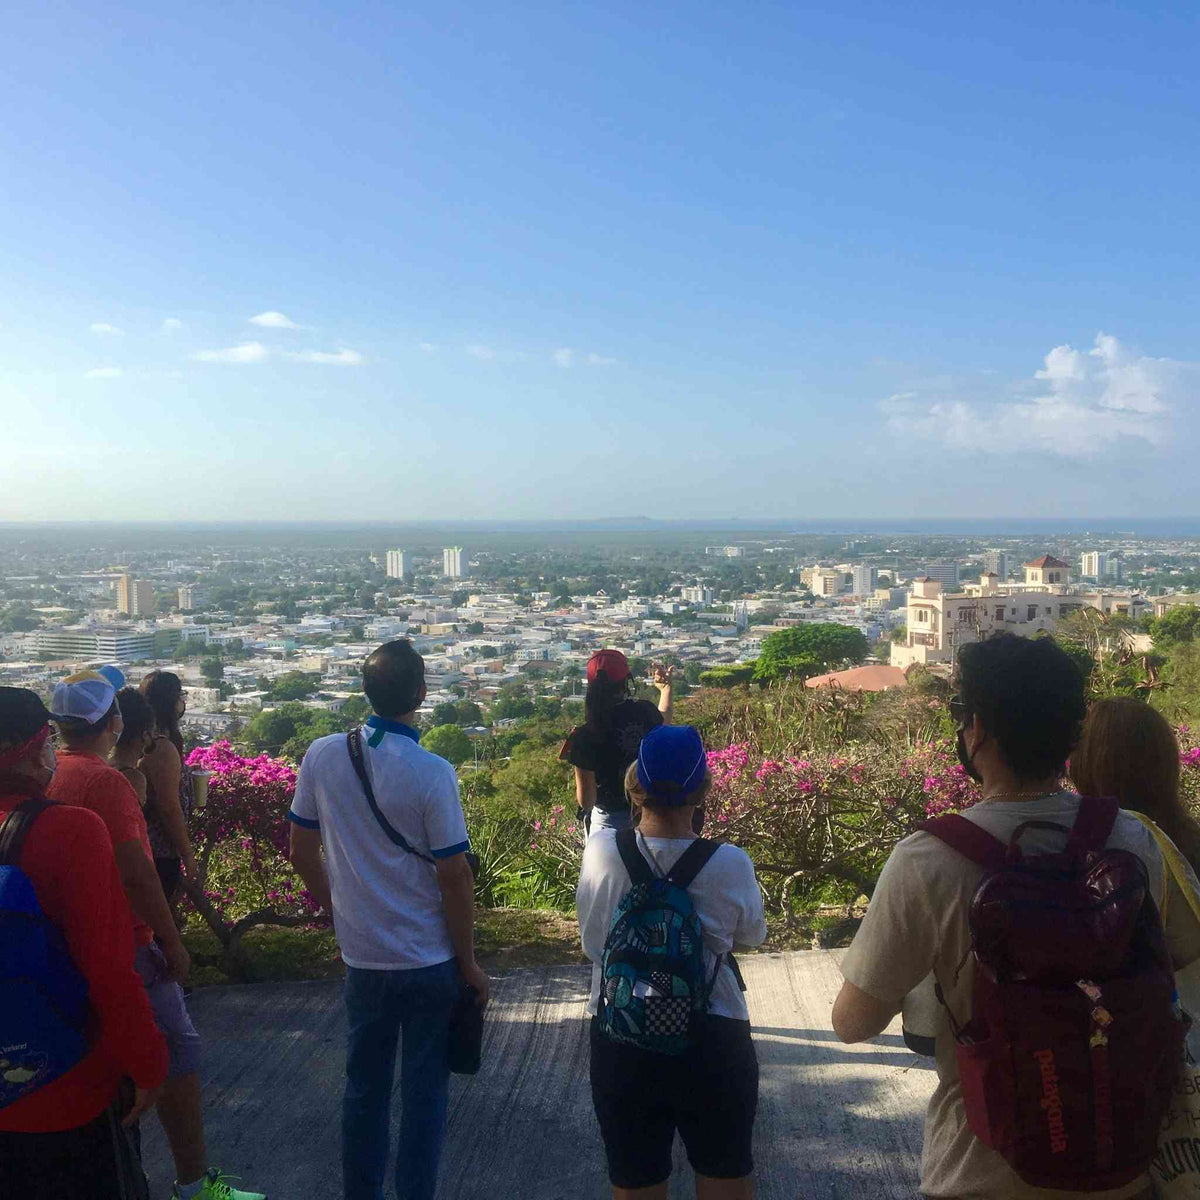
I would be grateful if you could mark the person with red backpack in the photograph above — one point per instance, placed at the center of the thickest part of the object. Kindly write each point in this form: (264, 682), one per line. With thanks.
(80, 1055)
(1059, 1035)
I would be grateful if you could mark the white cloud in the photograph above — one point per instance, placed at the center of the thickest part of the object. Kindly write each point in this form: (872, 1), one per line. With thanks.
(172, 325)
(105, 328)
(565, 357)
(1087, 402)
(599, 360)
(486, 353)
(104, 373)
(344, 358)
(274, 320)
(428, 347)
(247, 352)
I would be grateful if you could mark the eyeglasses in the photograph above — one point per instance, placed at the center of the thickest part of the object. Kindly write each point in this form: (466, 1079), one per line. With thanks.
(959, 710)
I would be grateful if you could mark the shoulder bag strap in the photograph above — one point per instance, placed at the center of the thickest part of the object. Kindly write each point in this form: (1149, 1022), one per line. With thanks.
(1093, 824)
(969, 839)
(692, 861)
(1173, 862)
(354, 745)
(15, 828)
(639, 869)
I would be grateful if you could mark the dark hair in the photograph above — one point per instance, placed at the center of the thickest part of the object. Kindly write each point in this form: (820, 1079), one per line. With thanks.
(1129, 752)
(162, 690)
(1029, 694)
(393, 677)
(603, 695)
(75, 732)
(137, 715)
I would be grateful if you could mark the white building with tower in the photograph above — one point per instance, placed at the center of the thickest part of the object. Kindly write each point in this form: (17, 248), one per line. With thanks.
(395, 564)
(455, 563)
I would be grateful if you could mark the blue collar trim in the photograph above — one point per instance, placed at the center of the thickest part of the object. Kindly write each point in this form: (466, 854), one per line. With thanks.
(382, 725)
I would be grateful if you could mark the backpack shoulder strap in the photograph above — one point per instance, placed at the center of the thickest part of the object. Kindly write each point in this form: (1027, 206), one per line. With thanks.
(354, 745)
(638, 868)
(1093, 824)
(969, 839)
(692, 861)
(15, 828)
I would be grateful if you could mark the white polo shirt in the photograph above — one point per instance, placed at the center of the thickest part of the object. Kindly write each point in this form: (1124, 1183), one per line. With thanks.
(387, 906)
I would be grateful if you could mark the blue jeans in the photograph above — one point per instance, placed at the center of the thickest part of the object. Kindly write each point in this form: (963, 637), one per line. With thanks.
(379, 1005)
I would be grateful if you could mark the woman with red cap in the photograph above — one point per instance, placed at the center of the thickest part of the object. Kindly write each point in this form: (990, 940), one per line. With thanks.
(602, 748)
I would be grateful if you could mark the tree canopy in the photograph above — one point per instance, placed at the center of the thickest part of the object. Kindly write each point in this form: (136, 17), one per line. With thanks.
(809, 650)
(1180, 623)
(449, 742)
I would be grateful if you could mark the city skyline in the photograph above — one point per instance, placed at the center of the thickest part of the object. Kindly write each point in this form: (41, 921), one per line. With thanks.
(456, 266)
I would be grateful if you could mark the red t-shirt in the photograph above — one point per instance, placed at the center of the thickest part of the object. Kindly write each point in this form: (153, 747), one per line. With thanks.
(86, 780)
(69, 860)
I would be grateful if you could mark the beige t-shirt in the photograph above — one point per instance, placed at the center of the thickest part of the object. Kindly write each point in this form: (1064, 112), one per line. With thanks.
(917, 922)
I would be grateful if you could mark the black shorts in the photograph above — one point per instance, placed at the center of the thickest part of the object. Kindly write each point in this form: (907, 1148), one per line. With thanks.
(97, 1161)
(709, 1093)
(170, 872)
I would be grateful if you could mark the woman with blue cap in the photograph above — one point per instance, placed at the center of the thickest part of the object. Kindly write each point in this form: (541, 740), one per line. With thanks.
(656, 1068)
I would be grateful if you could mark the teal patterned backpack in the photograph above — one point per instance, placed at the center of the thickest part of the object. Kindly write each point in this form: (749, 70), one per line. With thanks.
(654, 989)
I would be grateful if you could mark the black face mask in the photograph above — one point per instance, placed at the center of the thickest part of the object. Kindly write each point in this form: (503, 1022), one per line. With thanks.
(966, 759)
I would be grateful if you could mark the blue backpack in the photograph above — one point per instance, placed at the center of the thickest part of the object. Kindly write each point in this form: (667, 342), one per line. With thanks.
(654, 989)
(43, 997)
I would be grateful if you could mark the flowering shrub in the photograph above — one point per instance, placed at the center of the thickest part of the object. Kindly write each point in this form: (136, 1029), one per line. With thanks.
(241, 838)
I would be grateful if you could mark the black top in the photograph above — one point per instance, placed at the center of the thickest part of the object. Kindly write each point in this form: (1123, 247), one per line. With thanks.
(610, 754)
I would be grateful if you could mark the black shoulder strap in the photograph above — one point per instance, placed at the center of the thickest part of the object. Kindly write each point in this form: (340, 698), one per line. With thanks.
(639, 869)
(15, 828)
(692, 861)
(354, 745)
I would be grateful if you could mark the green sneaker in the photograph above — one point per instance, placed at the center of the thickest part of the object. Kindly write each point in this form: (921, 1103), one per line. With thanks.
(216, 1188)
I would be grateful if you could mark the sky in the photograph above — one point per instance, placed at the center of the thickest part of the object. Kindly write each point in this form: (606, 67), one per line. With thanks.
(462, 261)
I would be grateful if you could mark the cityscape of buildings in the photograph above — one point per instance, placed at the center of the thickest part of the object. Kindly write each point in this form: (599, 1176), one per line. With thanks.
(532, 614)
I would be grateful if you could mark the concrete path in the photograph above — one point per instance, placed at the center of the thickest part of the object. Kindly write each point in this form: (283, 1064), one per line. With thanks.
(834, 1121)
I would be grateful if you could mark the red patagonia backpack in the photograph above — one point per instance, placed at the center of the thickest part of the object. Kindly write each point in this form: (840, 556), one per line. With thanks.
(1075, 1038)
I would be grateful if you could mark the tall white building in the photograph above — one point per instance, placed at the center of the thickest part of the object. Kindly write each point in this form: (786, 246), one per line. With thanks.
(1099, 565)
(995, 562)
(864, 579)
(944, 571)
(455, 563)
(395, 564)
(698, 595)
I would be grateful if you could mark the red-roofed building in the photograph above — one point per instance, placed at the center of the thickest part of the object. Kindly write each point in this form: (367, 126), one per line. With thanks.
(1047, 571)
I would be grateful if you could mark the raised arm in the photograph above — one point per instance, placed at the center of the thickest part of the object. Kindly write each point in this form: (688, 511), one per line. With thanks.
(662, 681)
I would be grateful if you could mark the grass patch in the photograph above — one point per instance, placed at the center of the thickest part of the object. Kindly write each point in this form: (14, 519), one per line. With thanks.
(270, 955)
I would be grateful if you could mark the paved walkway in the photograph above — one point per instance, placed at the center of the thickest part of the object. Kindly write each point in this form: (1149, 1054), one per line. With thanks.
(836, 1122)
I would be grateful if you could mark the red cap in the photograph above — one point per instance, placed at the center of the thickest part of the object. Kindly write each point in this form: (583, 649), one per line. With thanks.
(612, 662)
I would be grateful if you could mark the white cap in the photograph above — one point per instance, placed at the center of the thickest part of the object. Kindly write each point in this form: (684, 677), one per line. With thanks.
(85, 697)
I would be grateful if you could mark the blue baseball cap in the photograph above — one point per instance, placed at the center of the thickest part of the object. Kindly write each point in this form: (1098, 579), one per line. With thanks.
(113, 675)
(671, 763)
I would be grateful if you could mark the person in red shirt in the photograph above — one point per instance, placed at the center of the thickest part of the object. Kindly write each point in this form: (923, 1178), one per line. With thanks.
(85, 709)
(67, 1140)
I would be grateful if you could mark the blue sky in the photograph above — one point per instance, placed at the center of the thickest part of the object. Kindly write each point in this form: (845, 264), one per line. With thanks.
(583, 260)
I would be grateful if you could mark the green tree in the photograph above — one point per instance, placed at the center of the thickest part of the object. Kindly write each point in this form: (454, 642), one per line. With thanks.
(469, 713)
(727, 677)
(268, 731)
(507, 707)
(547, 707)
(449, 742)
(806, 650)
(458, 598)
(445, 713)
(355, 711)
(319, 724)
(213, 671)
(1179, 624)
(899, 635)
(475, 628)
(294, 685)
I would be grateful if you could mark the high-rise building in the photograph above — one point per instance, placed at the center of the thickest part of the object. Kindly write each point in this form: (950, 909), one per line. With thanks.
(821, 581)
(455, 563)
(864, 579)
(135, 596)
(944, 571)
(1093, 564)
(995, 562)
(395, 564)
(192, 596)
(698, 595)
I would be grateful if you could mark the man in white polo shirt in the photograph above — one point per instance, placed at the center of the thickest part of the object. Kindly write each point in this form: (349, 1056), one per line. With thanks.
(396, 879)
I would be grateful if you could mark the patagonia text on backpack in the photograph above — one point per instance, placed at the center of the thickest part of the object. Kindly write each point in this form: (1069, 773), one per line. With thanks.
(654, 988)
(1075, 1035)
(43, 997)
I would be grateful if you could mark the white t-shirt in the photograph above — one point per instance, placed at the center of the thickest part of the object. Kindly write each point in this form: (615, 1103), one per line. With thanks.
(725, 894)
(917, 921)
(387, 906)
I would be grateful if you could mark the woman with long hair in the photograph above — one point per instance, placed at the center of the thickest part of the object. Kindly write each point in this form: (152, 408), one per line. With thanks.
(602, 748)
(137, 737)
(168, 782)
(1128, 751)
